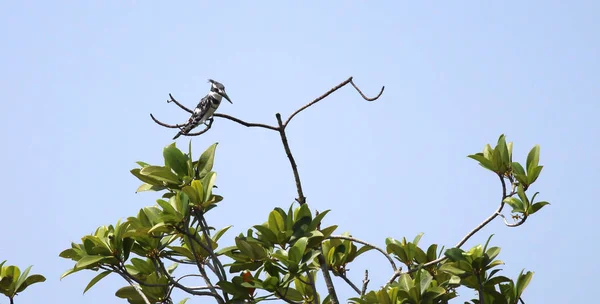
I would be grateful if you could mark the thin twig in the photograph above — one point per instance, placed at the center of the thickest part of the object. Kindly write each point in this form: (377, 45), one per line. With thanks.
(301, 198)
(200, 268)
(349, 238)
(343, 276)
(469, 235)
(165, 124)
(365, 283)
(337, 87)
(136, 287)
(221, 274)
(180, 105)
(175, 283)
(244, 123)
(517, 224)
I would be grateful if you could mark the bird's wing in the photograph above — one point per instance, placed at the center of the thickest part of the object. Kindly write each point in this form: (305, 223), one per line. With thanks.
(196, 118)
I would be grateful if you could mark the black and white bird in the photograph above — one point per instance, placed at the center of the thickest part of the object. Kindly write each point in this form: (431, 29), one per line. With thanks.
(205, 108)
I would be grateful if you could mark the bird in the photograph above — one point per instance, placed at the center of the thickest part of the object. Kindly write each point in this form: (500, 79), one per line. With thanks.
(205, 108)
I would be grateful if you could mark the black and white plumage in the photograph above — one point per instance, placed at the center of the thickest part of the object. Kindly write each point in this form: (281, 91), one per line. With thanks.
(205, 108)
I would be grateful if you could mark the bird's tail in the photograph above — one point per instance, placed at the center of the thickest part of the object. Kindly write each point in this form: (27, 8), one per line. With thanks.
(178, 134)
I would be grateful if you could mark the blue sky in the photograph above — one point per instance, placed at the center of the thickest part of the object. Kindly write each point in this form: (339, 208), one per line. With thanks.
(81, 78)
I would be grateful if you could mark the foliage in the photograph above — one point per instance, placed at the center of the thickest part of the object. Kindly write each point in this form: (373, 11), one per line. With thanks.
(279, 258)
(13, 281)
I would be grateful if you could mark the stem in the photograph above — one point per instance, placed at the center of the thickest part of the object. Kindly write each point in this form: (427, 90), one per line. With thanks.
(327, 279)
(301, 198)
(200, 268)
(466, 237)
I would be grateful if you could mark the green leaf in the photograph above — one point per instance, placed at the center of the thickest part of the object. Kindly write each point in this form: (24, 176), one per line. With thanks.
(425, 280)
(328, 230)
(89, 260)
(455, 254)
(493, 252)
(276, 222)
(537, 206)
(515, 203)
(451, 269)
(195, 192)
(166, 206)
(146, 179)
(183, 301)
(176, 160)
(148, 187)
(518, 169)
(522, 282)
(142, 164)
(160, 173)
(405, 282)
(183, 251)
(206, 161)
(95, 280)
(533, 158)
(220, 233)
(483, 161)
(209, 182)
(297, 250)
(502, 148)
(32, 279)
(266, 234)
(317, 220)
(244, 247)
(534, 174)
(69, 272)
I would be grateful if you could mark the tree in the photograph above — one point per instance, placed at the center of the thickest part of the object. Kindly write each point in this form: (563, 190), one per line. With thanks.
(282, 257)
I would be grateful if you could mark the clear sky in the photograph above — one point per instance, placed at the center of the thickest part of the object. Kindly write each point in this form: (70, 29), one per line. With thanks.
(81, 77)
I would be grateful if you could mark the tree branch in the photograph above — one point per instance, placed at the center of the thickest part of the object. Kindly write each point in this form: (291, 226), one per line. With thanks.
(130, 280)
(343, 276)
(200, 268)
(517, 224)
(365, 283)
(349, 238)
(469, 235)
(327, 278)
(177, 103)
(339, 86)
(245, 124)
(301, 198)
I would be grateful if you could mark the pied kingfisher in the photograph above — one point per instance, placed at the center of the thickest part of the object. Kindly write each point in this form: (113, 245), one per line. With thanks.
(205, 108)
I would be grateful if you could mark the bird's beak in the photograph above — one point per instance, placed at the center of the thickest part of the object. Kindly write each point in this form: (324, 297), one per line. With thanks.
(226, 97)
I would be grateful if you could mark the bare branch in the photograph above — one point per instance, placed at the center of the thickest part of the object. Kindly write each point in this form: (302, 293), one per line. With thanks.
(469, 235)
(245, 124)
(349, 238)
(487, 220)
(164, 124)
(365, 283)
(517, 224)
(210, 122)
(180, 105)
(343, 276)
(175, 283)
(363, 95)
(135, 286)
(339, 86)
(200, 268)
(221, 274)
(301, 198)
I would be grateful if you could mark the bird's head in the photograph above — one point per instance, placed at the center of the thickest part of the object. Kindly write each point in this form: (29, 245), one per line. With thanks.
(218, 88)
